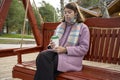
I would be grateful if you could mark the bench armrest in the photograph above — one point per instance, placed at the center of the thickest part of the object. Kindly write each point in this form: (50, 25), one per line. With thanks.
(28, 50)
(7, 52)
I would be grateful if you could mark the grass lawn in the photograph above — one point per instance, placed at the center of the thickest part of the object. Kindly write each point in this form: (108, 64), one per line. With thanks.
(15, 41)
(17, 36)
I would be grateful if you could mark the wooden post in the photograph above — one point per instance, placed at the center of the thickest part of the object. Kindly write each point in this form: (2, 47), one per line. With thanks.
(36, 32)
(4, 7)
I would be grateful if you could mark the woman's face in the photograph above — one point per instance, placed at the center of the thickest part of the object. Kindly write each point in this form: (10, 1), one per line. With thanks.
(69, 15)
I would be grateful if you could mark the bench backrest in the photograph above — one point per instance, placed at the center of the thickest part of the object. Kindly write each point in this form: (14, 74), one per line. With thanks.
(104, 40)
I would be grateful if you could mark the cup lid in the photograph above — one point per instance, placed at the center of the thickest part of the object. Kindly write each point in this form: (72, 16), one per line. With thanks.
(54, 37)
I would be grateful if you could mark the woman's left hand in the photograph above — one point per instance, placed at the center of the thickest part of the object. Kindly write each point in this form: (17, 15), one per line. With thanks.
(60, 49)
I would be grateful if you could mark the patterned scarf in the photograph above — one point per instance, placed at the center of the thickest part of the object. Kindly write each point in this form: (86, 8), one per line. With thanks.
(73, 36)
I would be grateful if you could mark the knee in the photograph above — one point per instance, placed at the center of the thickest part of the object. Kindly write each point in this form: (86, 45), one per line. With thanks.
(40, 57)
(45, 55)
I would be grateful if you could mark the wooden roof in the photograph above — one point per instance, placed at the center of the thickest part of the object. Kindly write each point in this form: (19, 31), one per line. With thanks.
(89, 12)
(113, 7)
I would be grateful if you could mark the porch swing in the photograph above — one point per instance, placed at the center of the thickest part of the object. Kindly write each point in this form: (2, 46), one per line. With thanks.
(104, 48)
(104, 35)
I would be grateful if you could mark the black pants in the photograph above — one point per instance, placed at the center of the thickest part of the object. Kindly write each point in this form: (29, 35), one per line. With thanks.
(46, 63)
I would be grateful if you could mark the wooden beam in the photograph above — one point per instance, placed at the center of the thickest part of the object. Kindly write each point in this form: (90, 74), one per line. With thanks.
(36, 32)
(16, 51)
(4, 11)
(7, 52)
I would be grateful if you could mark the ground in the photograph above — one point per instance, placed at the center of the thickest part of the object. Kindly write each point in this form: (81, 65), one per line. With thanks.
(7, 63)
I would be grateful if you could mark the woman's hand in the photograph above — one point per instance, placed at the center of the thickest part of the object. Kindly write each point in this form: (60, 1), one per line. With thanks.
(60, 49)
(51, 44)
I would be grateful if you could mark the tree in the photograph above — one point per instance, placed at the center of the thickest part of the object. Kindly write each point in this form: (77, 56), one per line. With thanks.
(15, 17)
(103, 8)
(36, 13)
(88, 3)
(62, 7)
(48, 12)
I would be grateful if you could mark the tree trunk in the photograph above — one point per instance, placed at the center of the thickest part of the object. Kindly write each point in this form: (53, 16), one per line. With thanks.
(103, 8)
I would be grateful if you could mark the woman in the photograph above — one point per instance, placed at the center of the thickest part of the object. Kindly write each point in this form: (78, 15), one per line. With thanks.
(73, 46)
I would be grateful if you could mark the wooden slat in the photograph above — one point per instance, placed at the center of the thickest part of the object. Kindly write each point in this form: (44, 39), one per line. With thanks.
(106, 45)
(112, 45)
(117, 49)
(100, 57)
(97, 43)
(91, 44)
(93, 35)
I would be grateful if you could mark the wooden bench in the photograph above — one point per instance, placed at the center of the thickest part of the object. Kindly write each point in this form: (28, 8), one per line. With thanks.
(104, 48)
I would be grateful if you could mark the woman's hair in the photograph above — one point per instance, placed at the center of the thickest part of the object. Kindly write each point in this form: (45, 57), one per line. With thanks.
(74, 6)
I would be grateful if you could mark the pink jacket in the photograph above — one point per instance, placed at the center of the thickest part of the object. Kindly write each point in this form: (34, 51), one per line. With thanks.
(72, 61)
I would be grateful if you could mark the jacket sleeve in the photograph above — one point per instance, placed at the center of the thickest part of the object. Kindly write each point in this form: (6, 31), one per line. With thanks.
(83, 43)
